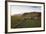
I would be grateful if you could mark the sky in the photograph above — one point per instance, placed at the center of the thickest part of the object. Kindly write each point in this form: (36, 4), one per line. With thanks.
(20, 9)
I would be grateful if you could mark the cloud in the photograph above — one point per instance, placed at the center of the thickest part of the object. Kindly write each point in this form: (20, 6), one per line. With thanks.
(20, 9)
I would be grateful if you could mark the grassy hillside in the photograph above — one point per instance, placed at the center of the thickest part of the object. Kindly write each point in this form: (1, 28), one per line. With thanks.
(27, 20)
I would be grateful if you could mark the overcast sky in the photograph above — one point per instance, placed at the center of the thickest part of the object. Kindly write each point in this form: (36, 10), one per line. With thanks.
(20, 9)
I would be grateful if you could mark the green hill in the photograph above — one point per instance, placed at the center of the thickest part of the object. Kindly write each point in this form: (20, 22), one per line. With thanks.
(27, 20)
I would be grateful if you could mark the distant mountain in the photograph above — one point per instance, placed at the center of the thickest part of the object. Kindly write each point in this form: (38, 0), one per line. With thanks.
(32, 14)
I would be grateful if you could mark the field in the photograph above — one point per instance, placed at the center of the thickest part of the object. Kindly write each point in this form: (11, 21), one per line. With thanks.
(27, 20)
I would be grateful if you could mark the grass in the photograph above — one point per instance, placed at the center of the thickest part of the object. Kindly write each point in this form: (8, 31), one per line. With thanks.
(19, 22)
